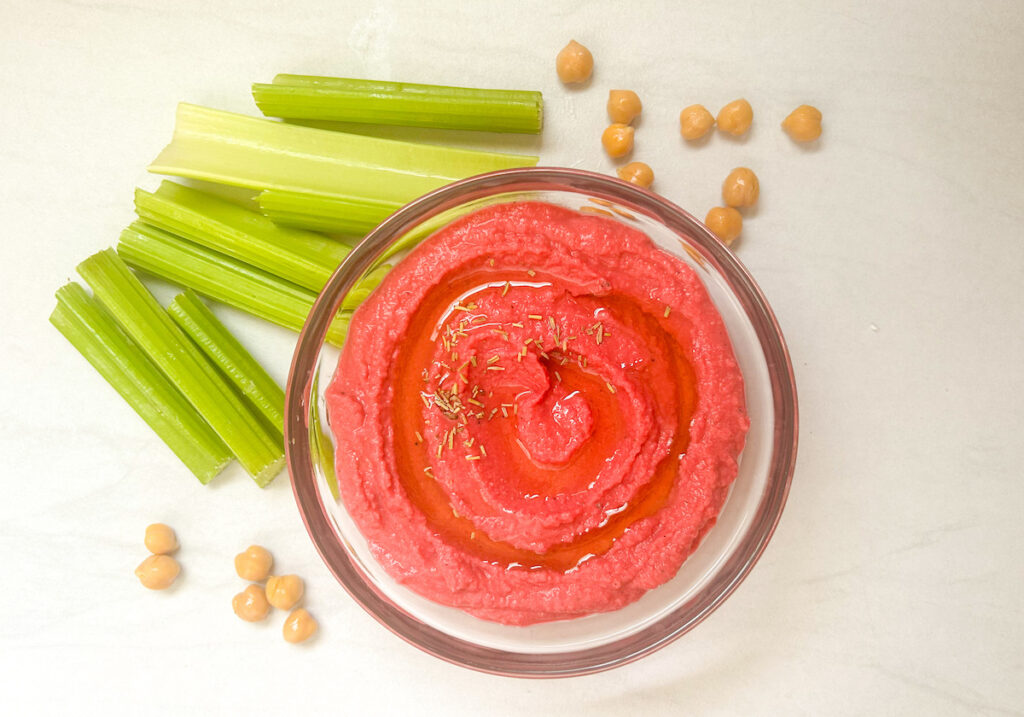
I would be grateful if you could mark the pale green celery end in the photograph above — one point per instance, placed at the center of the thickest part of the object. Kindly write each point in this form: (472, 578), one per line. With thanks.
(349, 241)
(323, 445)
(354, 298)
(338, 329)
(362, 289)
(402, 103)
(361, 208)
(96, 335)
(253, 239)
(221, 278)
(228, 354)
(263, 154)
(349, 215)
(151, 327)
(413, 237)
(315, 223)
(375, 276)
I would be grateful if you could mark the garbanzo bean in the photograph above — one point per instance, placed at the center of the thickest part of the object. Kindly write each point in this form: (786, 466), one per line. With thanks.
(725, 222)
(695, 121)
(803, 124)
(624, 106)
(299, 626)
(736, 117)
(251, 604)
(574, 63)
(254, 563)
(740, 188)
(637, 173)
(617, 140)
(157, 572)
(284, 591)
(160, 539)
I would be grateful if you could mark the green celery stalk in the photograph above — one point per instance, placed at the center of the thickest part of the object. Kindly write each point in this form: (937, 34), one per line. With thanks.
(327, 214)
(318, 212)
(302, 257)
(149, 325)
(222, 278)
(358, 293)
(322, 447)
(225, 351)
(264, 154)
(341, 99)
(92, 330)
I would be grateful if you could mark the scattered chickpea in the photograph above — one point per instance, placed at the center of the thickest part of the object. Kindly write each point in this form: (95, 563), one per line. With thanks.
(803, 124)
(637, 173)
(157, 572)
(695, 121)
(574, 63)
(617, 140)
(160, 539)
(251, 604)
(299, 626)
(736, 117)
(624, 106)
(285, 591)
(725, 222)
(254, 563)
(741, 188)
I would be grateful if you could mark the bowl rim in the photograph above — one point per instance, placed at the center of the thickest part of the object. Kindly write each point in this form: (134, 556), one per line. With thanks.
(494, 660)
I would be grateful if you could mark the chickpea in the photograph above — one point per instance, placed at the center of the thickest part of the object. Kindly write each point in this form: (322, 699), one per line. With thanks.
(574, 63)
(624, 106)
(157, 572)
(637, 173)
(735, 118)
(803, 124)
(299, 626)
(285, 591)
(160, 539)
(725, 222)
(695, 121)
(254, 563)
(251, 604)
(617, 140)
(741, 188)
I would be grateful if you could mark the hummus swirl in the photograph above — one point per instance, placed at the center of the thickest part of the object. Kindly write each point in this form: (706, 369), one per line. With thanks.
(537, 415)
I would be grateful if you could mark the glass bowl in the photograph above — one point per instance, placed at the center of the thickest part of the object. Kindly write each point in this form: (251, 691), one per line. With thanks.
(709, 575)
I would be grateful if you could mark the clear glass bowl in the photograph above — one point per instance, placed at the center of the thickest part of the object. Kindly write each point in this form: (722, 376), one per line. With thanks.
(596, 642)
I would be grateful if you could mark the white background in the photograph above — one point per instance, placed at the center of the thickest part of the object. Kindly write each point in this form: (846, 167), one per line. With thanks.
(892, 253)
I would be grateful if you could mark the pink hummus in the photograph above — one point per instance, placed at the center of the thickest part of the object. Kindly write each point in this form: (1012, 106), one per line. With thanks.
(537, 414)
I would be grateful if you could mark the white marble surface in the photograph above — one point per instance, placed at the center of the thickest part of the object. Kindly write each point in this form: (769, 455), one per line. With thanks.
(892, 254)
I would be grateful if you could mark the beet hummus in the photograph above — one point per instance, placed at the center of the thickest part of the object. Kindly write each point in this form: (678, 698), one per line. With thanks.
(537, 414)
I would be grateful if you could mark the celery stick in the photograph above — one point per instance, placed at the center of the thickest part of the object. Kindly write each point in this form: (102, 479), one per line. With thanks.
(221, 278)
(263, 154)
(93, 331)
(224, 350)
(358, 293)
(302, 257)
(145, 321)
(322, 447)
(342, 99)
(333, 214)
